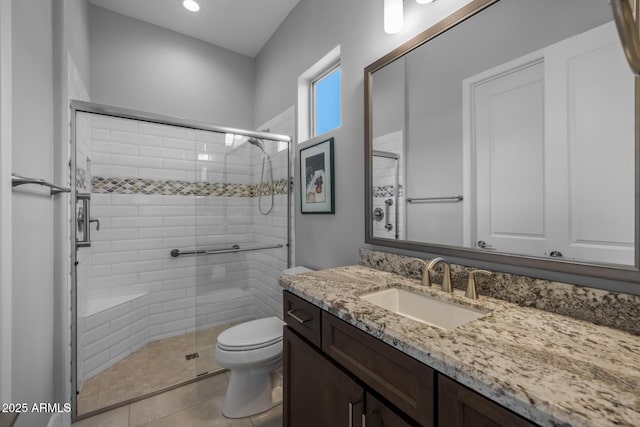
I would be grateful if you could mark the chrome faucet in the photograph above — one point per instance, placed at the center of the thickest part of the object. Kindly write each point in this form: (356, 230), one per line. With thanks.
(446, 274)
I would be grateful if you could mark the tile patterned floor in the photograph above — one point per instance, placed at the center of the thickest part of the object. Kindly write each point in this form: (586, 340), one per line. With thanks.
(157, 365)
(194, 405)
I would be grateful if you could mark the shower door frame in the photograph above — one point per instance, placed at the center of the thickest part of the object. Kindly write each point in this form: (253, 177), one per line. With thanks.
(125, 113)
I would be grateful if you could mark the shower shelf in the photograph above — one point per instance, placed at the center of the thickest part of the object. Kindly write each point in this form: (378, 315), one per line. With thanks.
(232, 249)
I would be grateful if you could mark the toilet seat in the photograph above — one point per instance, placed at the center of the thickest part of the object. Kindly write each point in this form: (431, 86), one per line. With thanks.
(251, 335)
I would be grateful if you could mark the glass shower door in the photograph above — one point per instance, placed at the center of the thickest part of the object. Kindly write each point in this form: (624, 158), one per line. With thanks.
(242, 225)
(135, 311)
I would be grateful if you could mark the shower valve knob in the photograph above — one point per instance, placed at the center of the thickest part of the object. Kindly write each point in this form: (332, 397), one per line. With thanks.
(378, 214)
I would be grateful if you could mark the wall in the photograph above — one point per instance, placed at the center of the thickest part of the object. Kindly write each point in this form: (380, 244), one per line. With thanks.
(33, 355)
(131, 60)
(5, 202)
(311, 30)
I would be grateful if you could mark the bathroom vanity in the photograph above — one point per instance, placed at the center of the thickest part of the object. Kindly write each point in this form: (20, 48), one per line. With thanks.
(348, 362)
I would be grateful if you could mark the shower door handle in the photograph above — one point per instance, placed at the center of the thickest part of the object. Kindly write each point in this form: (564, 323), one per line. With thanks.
(83, 220)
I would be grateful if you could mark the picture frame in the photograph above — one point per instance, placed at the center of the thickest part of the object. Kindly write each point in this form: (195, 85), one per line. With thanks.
(317, 184)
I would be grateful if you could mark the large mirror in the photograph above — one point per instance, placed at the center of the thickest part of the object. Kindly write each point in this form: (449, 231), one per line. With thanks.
(508, 133)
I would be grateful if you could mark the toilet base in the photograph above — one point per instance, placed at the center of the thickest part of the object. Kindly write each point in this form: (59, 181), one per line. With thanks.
(249, 393)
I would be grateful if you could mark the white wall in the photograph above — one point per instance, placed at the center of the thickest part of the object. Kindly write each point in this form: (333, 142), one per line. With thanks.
(144, 67)
(5, 202)
(33, 355)
(311, 30)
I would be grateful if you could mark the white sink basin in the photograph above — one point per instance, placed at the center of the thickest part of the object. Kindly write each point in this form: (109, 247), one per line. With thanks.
(422, 308)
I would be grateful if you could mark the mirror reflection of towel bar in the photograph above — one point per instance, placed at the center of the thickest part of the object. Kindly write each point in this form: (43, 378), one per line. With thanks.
(434, 199)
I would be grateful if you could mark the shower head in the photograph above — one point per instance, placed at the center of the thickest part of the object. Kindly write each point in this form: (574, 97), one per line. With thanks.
(256, 142)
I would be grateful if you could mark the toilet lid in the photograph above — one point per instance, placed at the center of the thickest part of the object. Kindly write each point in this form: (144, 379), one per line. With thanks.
(251, 335)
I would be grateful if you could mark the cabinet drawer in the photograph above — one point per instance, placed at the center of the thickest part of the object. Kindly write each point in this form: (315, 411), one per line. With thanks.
(402, 380)
(303, 317)
(459, 406)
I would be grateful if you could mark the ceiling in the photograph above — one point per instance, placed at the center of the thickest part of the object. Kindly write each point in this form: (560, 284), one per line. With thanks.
(243, 26)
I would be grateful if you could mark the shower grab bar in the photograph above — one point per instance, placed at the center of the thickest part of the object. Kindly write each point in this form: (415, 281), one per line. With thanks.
(20, 180)
(434, 199)
(235, 248)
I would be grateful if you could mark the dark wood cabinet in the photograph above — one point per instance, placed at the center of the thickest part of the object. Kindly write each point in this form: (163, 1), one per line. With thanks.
(378, 414)
(302, 317)
(317, 393)
(401, 379)
(459, 406)
(337, 375)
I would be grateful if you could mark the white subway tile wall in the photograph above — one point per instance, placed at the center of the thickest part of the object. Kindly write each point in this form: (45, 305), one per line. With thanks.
(133, 291)
(384, 186)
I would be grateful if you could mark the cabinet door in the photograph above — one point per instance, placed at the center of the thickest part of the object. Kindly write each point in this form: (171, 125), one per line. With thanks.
(378, 414)
(403, 381)
(460, 407)
(316, 392)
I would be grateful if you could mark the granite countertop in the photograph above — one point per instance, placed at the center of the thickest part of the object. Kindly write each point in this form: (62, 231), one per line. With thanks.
(551, 369)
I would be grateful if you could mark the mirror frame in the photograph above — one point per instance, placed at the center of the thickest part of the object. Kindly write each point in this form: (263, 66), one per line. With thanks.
(587, 269)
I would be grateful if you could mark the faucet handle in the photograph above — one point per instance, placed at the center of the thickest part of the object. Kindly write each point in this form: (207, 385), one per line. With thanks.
(426, 280)
(471, 286)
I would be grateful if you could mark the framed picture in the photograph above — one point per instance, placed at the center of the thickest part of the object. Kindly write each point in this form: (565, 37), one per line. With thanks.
(316, 178)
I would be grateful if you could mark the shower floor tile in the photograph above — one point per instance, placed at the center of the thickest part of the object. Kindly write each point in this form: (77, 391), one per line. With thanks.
(194, 405)
(156, 366)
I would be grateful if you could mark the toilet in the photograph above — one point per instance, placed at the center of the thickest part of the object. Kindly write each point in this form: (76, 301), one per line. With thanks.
(251, 351)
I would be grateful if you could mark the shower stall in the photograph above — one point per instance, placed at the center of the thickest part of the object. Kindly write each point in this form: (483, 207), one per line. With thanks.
(388, 173)
(181, 230)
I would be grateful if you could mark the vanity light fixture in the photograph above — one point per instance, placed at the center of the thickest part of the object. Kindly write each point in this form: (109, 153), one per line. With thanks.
(191, 5)
(392, 16)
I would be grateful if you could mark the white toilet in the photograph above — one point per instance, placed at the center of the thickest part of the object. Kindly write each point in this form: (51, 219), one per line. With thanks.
(251, 351)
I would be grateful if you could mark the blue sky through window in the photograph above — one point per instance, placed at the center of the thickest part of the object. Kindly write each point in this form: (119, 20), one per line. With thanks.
(327, 97)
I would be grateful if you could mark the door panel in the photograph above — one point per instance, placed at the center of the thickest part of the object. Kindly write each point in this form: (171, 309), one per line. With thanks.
(591, 156)
(509, 142)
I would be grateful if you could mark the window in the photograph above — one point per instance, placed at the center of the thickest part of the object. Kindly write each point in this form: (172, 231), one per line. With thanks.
(318, 110)
(325, 101)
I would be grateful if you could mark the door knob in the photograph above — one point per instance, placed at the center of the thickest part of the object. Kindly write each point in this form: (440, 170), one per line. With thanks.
(482, 244)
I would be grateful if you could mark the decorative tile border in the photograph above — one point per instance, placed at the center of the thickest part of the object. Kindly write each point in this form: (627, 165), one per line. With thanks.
(112, 185)
(621, 311)
(387, 191)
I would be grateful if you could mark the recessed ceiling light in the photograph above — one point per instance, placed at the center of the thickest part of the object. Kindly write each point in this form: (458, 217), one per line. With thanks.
(191, 5)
